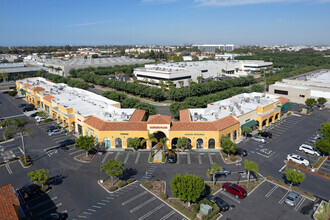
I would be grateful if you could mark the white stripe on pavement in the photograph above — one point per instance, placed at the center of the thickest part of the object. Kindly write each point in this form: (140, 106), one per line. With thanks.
(137, 157)
(152, 211)
(283, 198)
(141, 205)
(133, 198)
(92, 210)
(8, 168)
(282, 168)
(105, 157)
(126, 158)
(271, 191)
(75, 152)
(210, 158)
(168, 215)
(117, 155)
(299, 204)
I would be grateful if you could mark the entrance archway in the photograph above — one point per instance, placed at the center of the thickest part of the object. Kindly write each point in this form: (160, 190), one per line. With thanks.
(159, 135)
(264, 122)
(211, 143)
(270, 120)
(276, 116)
(174, 142)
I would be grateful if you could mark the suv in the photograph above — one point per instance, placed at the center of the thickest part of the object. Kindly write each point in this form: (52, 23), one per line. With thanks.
(259, 139)
(28, 108)
(236, 190)
(297, 159)
(309, 150)
(55, 132)
(29, 191)
(219, 202)
(51, 128)
(265, 134)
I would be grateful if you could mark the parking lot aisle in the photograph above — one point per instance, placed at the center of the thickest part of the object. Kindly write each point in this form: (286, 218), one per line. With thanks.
(231, 197)
(137, 157)
(74, 152)
(200, 158)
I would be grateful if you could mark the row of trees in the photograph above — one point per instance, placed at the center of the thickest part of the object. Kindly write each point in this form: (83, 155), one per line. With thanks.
(127, 102)
(198, 89)
(108, 70)
(71, 82)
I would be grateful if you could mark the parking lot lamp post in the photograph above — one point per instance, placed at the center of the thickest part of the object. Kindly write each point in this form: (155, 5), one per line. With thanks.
(238, 165)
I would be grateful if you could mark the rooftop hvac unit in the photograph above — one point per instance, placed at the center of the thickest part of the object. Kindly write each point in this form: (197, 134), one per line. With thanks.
(242, 112)
(247, 99)
(263, 95)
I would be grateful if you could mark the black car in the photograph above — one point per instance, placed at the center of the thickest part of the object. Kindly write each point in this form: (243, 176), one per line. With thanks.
(28, 108)
(171, 157)
(30, 191)
(265, 134)
(51, 128)
(91, 86)
(57, 216)
(22, 105)
(219, 202)
(66, 142)
(241, 152)
(5, 92)
(34, 114)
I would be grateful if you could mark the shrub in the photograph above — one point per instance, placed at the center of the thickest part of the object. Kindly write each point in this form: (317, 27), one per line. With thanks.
(122, 183)
(13, 159)
(196, 208)
(163, 196)
(300, 110)
(7, 135)
(12, 93)
(232, 157)
(131, 180)
(182, 209)
(205, 201)
(113, 188)
(224, 155)
(289, 113)
(147, 185)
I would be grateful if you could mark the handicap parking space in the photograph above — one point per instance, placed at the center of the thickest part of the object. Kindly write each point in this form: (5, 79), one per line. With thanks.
(9, 151)
(267, 202)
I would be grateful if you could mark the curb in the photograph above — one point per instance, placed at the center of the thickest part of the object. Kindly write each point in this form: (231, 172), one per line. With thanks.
(309, 171)
(116, 189)
(10, 140)
(83, 161)
(25, 167)
(318, 208)
(230, 162)
(321, 164)
(164, 201)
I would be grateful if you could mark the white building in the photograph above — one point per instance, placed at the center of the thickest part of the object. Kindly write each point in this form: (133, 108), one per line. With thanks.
(213, 47)
(186, 71)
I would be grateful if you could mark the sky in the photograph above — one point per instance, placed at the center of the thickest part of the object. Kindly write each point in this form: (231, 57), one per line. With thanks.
(164, 22)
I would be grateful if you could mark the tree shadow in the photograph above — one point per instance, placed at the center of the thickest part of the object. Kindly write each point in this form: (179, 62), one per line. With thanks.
(56, 180)
(127, 173)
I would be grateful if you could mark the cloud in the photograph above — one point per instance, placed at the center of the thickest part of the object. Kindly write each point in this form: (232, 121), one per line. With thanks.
(86, 24)
(224, 3)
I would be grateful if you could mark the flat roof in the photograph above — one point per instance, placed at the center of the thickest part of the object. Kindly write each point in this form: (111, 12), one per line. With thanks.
(237, 105)
(278, 84)
(318, 76)
(84, 103)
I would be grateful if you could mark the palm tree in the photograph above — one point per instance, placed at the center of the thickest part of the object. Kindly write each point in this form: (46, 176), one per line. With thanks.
(163, 141)
(151, 138)
(57, 69)
(4, 76)
(5, 123)
(18, 124)
(212, 171)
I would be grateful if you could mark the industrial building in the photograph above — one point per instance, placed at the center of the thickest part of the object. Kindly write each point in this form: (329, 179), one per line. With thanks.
(15, 69)
(187, 71)
(89, 114)
(213, 47)
(308, 85)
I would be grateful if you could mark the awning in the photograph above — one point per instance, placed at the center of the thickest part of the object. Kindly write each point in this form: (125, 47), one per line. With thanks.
(285, 106)
(249, 124)
(22, 91)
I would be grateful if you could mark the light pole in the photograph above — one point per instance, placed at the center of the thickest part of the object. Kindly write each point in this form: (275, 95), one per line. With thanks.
(238, 165)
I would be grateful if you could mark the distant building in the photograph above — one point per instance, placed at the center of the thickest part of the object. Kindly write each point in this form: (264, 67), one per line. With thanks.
(213, 47)
(226, 56)
(299, 88)
(14, 69)
(187, 71)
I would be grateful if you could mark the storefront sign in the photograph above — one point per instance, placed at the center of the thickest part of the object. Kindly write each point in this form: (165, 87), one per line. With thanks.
(78, 119)
(123, 133)
(91, 129)
(158, 127)
(195, 134)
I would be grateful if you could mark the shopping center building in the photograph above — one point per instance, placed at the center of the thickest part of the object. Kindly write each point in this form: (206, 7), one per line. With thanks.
(89, 114)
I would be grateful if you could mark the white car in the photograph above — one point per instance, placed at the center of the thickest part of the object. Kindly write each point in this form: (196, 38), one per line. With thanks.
(309, 149)
(297, 159)
(39, 119)
(259, 139)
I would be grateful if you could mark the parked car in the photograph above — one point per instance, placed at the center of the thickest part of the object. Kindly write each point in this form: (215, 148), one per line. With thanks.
(57, 216)
(5, 92)
(91, 86)
(309, 149)
(40, 119)
(292, 198)
(259, 139)
(172, 157)
(30, 191)
(265, 134)
(28, 108)
(225, 172)
(241, 152)
(297, 159)
(33, 115)
(236, 190)
(51, 128)
(66, 142)
(55, 132)
(22, 105)
(219, 202)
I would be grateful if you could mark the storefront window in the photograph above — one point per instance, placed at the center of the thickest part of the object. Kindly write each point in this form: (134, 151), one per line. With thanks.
(118, 143)
(106, 142)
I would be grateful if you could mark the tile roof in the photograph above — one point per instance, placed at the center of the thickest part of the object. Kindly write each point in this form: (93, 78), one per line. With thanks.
(283, 100)
(27, 85)
(138, 115)
(48, 98)
(101, 125)
(185, 115)
(38, 89)
(204, 126)
(159, 119)
(8, 200)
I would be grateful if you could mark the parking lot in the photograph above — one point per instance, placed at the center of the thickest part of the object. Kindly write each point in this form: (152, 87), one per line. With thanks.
(267, 202)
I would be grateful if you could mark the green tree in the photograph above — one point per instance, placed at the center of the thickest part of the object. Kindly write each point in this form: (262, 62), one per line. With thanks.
(199, 79)
(162, 85)
(112, 168)
(251, 166)
(212, 171)
(163, 142)
(227, 145)
(325, 130)
(322, 100)
(4, 76)
(58, 69)
(18, 124)
(257, 88)
(246, 130)
(294, 175)
(5, 123)
(183, 142)
(134, 142)
(323, 145)
(151, 138)
(94, 56)
(39, 176)
(85, 143)
(187, 187)
(42, 114)
(310, 102)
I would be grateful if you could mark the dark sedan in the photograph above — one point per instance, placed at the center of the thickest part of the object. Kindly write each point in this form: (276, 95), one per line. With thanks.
(265, 134)
(66, 142)
(51, 128)
(241, 152)
(30, 191)
(219, 202)
(22, 105)
(172, 158)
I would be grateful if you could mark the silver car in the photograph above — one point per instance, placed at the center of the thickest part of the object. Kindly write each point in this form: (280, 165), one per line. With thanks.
(259, 139)
(55, 132)
(292, 198)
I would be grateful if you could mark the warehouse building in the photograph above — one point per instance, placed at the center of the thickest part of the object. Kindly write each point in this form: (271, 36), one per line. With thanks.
(89, 114)
(299, 88)
(213, 47)
(189, 71)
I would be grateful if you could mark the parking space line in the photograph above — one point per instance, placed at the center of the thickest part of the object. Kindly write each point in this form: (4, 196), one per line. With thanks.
(21, 150)
(141, 205)
(92, 210)
(282, 168)
(199, 159)
(210, 158)
(75, 152)
(152, 211)
(117, 155)
(88, 213)
(168, 215)
(58, 137)
(126, 158)
(94, 206)
(133, 198)
(103, 200)
(100, 203)
(137, 157)
(188, 158)
(271, 191)
(8, 168)
(81, 216)
(283, 198)
(299, 204)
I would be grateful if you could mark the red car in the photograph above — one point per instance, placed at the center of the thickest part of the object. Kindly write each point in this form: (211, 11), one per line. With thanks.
(236, 190)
